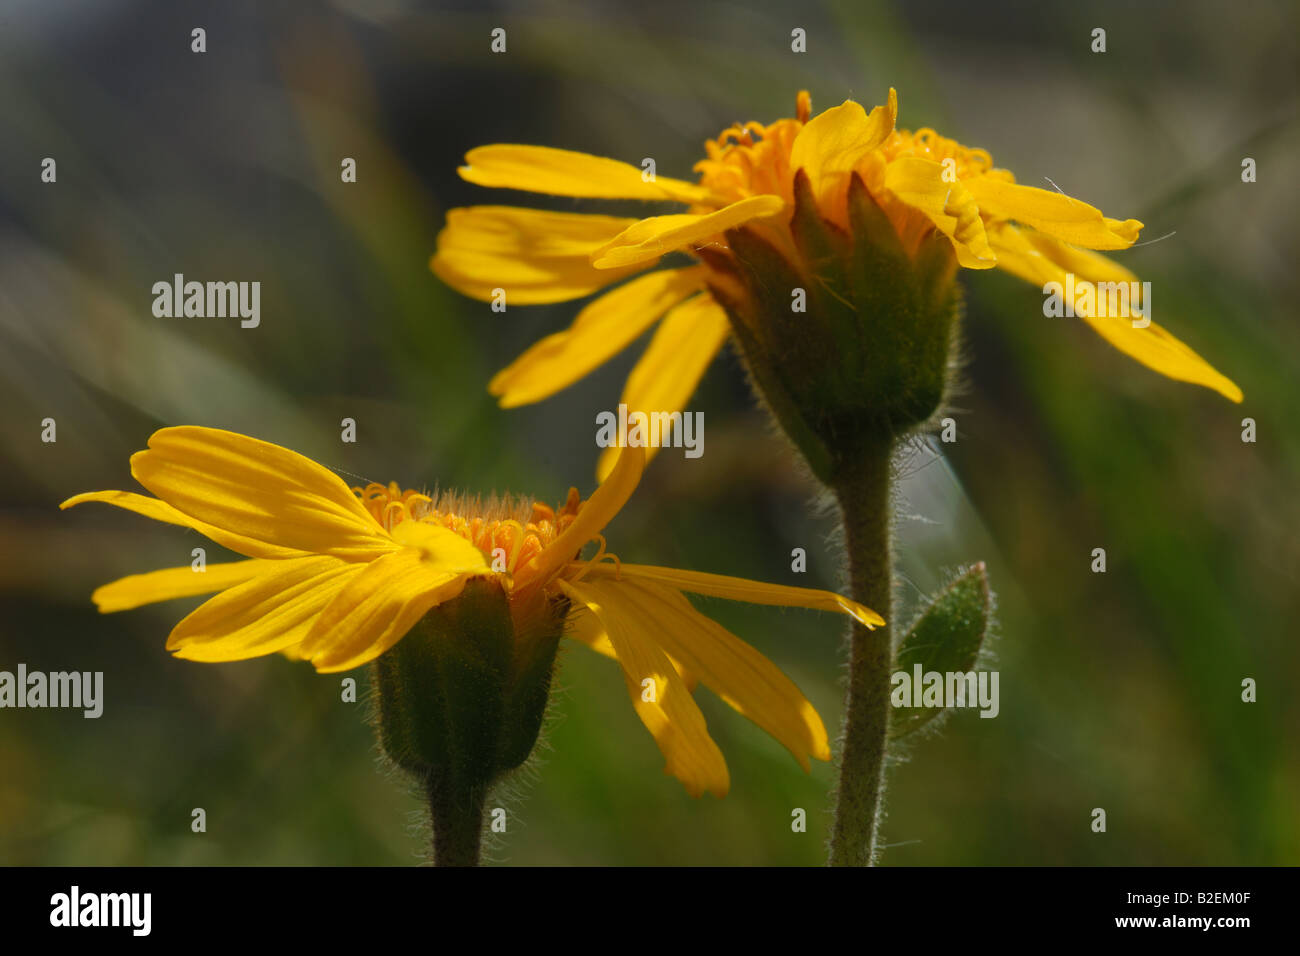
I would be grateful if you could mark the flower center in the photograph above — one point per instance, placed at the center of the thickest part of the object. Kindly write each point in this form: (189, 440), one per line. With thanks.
(508, 534)
(753, 159)
(927, 144)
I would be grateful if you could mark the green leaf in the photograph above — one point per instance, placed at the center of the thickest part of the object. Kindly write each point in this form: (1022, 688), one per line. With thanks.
(946, 638)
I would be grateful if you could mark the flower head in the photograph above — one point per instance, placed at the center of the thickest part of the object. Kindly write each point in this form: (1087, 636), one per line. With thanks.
(804, 198)
(338, 576)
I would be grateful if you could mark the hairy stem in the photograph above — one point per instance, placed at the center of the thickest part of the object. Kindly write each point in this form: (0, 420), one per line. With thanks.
(862, 488)
(457, 822)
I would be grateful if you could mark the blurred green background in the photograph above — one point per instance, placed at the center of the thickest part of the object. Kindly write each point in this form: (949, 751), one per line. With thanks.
(1120, 691)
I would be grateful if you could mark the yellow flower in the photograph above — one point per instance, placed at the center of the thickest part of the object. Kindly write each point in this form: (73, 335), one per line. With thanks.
(338, 575)
(751, 177)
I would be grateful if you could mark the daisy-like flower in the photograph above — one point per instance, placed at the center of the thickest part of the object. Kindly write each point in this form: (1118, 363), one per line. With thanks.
(338, 575)
(789, 186)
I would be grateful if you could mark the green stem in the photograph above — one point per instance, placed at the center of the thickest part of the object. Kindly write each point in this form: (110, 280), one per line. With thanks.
(862, 487)
(457, 822)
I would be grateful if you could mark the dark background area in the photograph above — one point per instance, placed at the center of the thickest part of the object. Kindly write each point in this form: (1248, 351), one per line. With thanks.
(1119, 690)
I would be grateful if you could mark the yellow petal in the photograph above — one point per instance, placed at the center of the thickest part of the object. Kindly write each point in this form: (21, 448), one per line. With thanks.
(1041, 259)
(601, 330)
(377, 608)
(831, 143)
(261, 616)
(585, 627)
(740, 675)
(1159, 350)
(949, 205)
(651, 238)
(741, 589)
(562, 172)
(596, 512)
(664, 379)
(258, 490)
(1068, 219)
(139, 589)
(1038, 258)
(442, 549)
(162, 511)
(536, 256)
(671, 716)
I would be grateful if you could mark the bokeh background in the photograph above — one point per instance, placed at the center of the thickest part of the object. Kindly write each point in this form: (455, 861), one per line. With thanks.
(1119, 690)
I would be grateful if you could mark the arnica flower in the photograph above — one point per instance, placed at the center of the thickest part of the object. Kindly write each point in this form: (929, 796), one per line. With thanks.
(341, 576)
(861, 218)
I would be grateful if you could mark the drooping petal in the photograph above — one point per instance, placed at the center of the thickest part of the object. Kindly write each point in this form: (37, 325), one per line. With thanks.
(1038, 258)
(651, 238)
(920, 183)
(596, 512)
(585, 628)
(658, 694)
(740, 675)
(741, 589)
(259, 490)
(1041, 259)
(664, 379)
(1159, 350)
(1056, 214)
(602, 329)
(263, 615)
(161, 511)
(831, 143)
(535, 256)
(563, 172)
(140, 589)
(377, 608)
